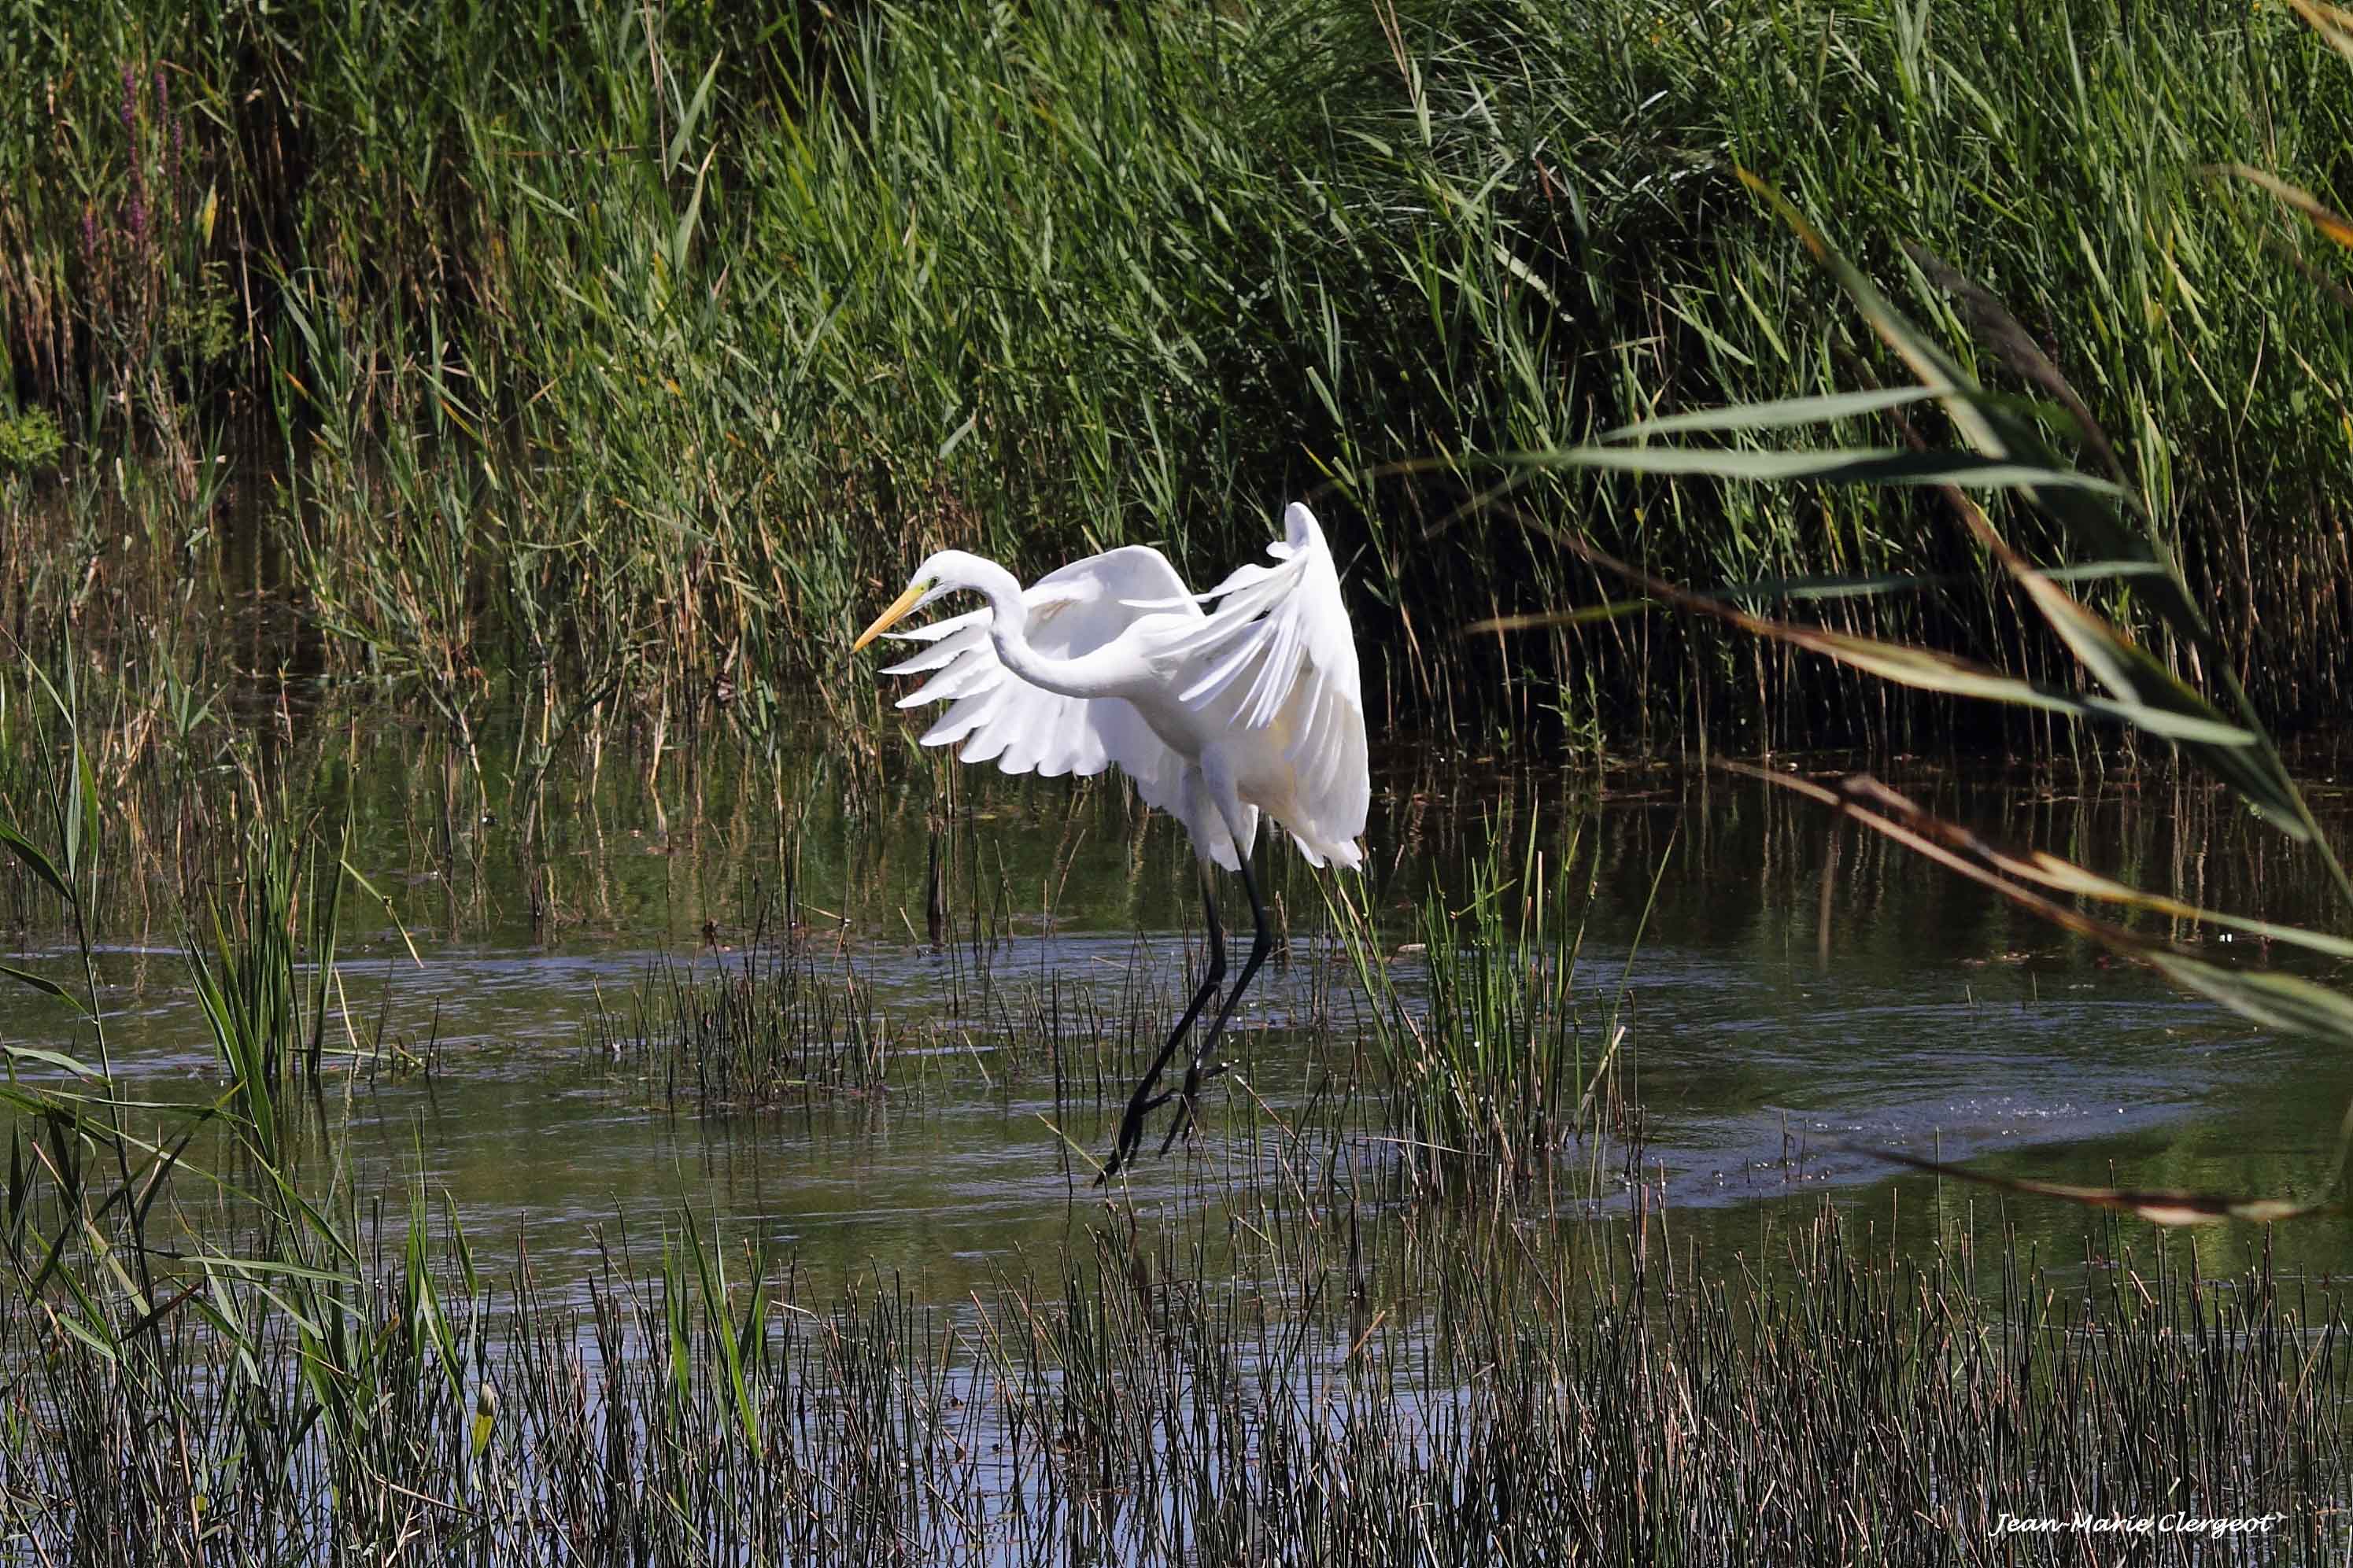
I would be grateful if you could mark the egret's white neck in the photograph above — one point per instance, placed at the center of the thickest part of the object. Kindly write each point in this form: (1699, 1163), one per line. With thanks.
(1098, 674)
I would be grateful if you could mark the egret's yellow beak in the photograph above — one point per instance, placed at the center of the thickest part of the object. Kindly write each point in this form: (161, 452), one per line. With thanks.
(891, 617)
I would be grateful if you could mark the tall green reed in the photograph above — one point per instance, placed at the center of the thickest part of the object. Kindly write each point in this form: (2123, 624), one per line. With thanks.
(1506, 1056)
(268, 1017)
(629, 356)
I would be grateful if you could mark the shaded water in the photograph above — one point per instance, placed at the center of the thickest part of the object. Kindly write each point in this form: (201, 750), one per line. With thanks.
(1785, 996)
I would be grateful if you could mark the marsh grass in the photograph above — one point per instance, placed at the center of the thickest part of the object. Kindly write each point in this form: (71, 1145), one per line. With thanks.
(1504, 1055)
(265, 962)
(616, 365)
(776, 1024)
(1450, 1395)
(1479, 1059)
(794, 1019)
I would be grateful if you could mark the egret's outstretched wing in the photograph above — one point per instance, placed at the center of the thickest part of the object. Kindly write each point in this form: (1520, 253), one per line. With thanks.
(1000, 717)
(1278, 654)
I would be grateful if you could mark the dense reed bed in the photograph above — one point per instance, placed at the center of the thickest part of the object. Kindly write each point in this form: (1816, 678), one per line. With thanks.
(618, 361)
(1443, 1394)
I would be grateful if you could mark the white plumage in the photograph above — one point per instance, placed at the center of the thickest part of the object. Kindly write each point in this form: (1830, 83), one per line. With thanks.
(1248, 705)
(1264, 686)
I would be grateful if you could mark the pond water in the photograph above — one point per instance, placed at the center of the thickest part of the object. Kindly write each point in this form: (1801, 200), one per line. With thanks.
(1788, 994)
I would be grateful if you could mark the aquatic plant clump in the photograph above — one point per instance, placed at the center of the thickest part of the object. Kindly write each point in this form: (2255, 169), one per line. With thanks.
(1831, 1406)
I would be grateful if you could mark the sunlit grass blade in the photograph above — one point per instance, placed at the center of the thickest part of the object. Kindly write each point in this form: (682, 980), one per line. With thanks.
(1836, 465)
(33, 859)
(2165, 1207)
(1781, 414)
(2285, 1002)
(1921, 669)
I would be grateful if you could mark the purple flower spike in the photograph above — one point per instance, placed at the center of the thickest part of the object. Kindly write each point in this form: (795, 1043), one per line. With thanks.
(130, 99)
(89, 233)
(163, 95)
(134, 218)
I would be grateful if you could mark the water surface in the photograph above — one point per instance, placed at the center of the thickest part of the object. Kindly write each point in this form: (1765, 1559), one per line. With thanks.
(1790, 992)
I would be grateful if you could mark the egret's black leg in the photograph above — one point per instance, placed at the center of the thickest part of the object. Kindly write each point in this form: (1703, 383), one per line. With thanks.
(1260, 945)
(1141, 1103)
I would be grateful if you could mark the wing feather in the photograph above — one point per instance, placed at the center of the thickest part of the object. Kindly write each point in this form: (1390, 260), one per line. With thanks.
(944, 649)
(999, 717)
(1278, 652)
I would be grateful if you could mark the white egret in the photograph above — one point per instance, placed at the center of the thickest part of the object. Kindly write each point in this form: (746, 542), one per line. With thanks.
(1218, 715)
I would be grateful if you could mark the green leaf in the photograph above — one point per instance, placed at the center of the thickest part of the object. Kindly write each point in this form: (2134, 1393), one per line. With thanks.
(94, 1340)
(38, 863)
(1608, 612)
(83, 840)
(2278, 1001)
(255, 1268)
(690, 119)
(1772, 590)
(693, 212)
(956, 437)
(40, 982)
(1780, 414)
(1841, 466)
(51, 1058)
(713, 1282)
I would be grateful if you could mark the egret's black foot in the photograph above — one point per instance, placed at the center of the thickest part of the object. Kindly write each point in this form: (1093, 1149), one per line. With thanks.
(1184, 1120)
(1131, 1130)
(1187, 1103)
